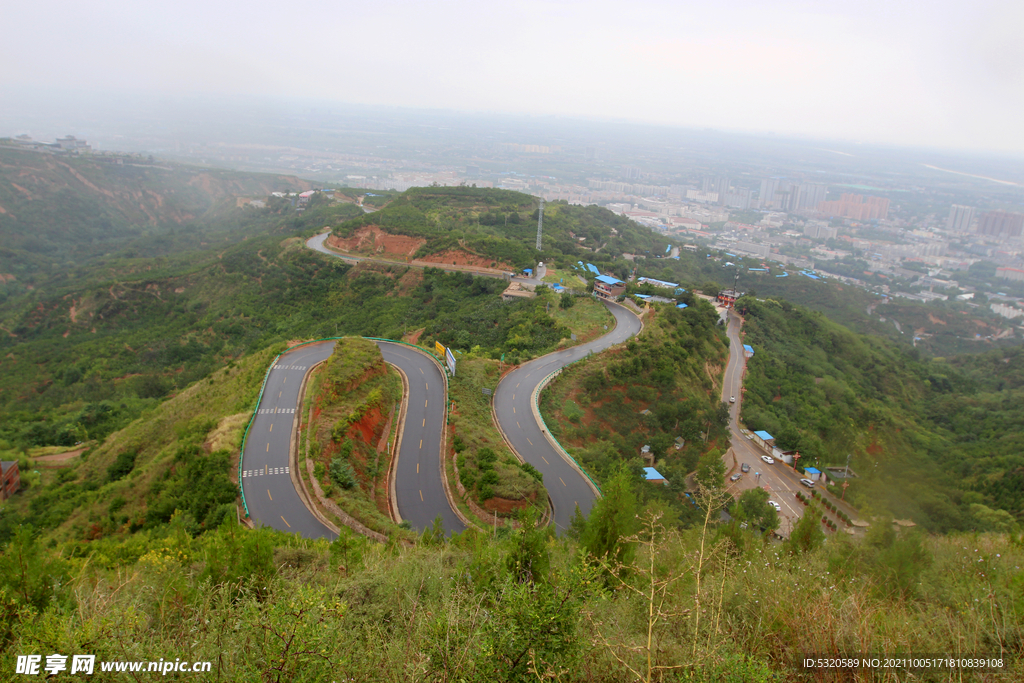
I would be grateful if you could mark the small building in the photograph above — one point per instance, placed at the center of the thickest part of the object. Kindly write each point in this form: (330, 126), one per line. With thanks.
(812, 473)
(728, 296)
(10, 478)
(517, 290)
(748, 351)
(653, 476)
(607, 287)
(657, 283)
(764, 440)
(680, 442)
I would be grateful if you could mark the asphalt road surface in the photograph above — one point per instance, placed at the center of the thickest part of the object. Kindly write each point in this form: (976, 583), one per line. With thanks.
(418, 488)
(266, 479)
(780, 480)
(513, 407)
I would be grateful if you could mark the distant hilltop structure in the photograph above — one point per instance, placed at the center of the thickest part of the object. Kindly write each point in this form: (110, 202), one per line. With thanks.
(68, 144)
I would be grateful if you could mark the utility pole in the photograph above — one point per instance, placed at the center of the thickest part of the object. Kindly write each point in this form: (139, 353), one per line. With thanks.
(540, 223)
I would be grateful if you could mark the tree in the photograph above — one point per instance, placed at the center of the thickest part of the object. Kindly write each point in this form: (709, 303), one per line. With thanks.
(807, 534)
(752, 507)
(611, 520)
(567, 301)
(711, 470)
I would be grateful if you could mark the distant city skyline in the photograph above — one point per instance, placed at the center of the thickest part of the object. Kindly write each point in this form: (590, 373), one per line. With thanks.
(935, 74)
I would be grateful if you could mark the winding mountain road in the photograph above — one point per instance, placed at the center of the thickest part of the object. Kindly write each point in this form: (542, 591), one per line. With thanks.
(520, 422)
(269, 485)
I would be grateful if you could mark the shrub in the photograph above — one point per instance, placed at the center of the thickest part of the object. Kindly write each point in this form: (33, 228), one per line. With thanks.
(342, 473)
(120, 468)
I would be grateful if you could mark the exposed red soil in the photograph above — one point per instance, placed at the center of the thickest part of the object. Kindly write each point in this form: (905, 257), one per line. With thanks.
(414, 336)
(459, 257)
(372, 240)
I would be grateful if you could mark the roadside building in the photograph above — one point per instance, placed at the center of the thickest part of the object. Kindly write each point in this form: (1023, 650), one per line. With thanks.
(607, 287)
(728, 297)
(10, 478)
(812, 473)
(764, 440)
(748, 351)
(517, 290)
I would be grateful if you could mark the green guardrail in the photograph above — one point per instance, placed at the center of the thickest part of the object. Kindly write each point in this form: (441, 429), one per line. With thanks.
(263, 386)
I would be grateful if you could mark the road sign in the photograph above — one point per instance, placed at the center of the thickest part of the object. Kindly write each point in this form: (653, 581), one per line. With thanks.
(573, 336)
(439, 347)
(486, 391)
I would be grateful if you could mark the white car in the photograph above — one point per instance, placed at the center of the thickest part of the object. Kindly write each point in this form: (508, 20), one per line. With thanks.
(778, 508)
(732, 399)
(808, 483)
(768, 459)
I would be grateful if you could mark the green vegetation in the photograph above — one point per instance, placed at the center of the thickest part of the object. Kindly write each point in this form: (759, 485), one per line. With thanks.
(487, 468)
(262, 605)
(178, 462)
(931, 440)
(501, 226)
(355, 397)
(649, 391)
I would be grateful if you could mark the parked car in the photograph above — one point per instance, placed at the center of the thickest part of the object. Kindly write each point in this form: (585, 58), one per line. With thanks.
(735, 477)
(808, 483)
(778, 508)
(768, 459)
(744, 467)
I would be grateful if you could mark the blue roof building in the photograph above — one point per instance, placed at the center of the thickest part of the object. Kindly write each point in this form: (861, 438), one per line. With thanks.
(681, 306)
(609, 280)
(654, 476)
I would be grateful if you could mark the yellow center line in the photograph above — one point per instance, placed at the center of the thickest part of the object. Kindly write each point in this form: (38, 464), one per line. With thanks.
(421, 370)
(513, 410)
(279, 394)
(561, 480)
(427, 386)
(268, 447)
(421, 495)
(424, 422)
(513, 397)
(271, 428)
(517, 425)
(425, 403)
(417, 468)
(528, 441)
(286, 522)
(545, 460)
(284, 380)
(517, 384)
(266, 469)
(421, 443)
(268, 495)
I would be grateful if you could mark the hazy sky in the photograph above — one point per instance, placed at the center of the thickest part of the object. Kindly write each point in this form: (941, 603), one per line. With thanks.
(913, 72)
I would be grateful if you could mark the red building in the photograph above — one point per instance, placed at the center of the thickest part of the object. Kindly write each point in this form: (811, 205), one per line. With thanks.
(607, 287)
(10, 479)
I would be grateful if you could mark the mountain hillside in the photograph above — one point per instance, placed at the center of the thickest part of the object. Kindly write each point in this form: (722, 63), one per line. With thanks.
(65, 210)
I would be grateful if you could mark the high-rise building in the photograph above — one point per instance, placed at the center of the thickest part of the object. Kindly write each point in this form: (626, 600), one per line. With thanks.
(1002, 224)
(769, 186)
(631, 172)
(857, 207)
(812, 194)
(960, 218)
